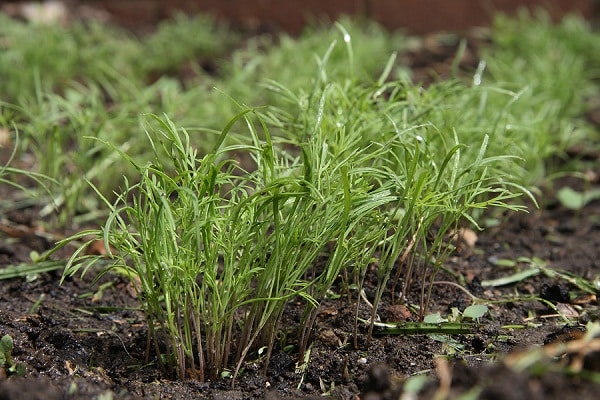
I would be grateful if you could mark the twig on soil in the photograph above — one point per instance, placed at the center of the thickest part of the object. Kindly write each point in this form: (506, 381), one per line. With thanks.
(444, 373)
(419, 328)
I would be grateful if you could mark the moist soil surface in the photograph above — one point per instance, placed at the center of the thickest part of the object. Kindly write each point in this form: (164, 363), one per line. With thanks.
(79, 340)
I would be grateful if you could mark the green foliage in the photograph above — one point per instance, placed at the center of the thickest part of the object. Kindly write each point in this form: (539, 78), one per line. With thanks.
(8, 174)
(552, 67)
(475, 311)
(185, 39)
(349, 174)
(53, 55)
(348, 165)
(208, 240)
(30, 270)
(354, 49)
(6, 358)
(575, 200)
(6, 347)
(90, 81)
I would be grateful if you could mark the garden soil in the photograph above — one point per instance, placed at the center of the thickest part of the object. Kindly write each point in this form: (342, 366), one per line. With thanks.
(82, 341)
(79, 340)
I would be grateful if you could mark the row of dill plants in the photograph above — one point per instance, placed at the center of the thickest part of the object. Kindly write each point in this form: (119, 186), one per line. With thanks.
(219, 230)
(64, 86)
(358, 174)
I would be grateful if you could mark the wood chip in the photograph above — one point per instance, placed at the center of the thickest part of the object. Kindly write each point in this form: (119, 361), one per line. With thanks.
(467, 236)
(396, 313)
(567, 310)
(584, 299)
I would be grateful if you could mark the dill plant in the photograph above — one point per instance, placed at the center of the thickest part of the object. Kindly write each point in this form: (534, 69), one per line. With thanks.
(297, 62)
(9, 174)
(170, 238)
(60, 54)
(552, 68)
(340, 174)
(423, 179)
(213, 246)
(354, 175)
(91, 80)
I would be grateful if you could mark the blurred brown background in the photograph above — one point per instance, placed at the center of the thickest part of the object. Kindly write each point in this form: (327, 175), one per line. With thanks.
(414, 16)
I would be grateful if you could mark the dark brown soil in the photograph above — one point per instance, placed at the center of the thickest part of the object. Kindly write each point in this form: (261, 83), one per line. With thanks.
(78, 341)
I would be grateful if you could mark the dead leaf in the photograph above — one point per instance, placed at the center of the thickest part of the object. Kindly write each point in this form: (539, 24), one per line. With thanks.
(584, 299)
(567, 310)
(396, 313)
(328, 336)
(133, 287)
(4, 137)
(444, 373)
(97, 248)
(330, 312)
(69, 368)
(467, 236)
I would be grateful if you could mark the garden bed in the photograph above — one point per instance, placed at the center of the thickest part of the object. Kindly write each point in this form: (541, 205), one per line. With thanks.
(537, 272)
(82, 342)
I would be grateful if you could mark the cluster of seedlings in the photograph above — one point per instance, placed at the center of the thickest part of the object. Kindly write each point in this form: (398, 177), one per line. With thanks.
(332, 161)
